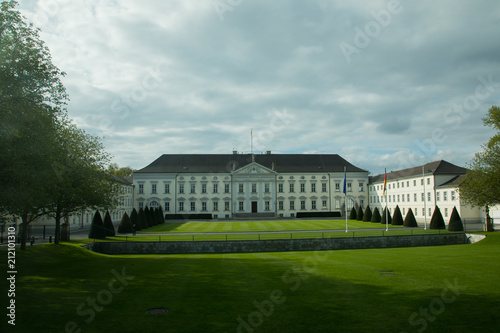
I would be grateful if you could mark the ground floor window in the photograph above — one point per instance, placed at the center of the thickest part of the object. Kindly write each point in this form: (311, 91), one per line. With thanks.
(303, 204)
(181, 206)
(193, 206)
(203, 206)
(226, 206)
(280, 205)
(313, 204)
(267, 205)
(240, 204)
(216, 206)
(167, 206)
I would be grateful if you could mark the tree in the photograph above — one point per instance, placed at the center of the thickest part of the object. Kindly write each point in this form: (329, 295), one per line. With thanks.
(125, 226)
(481, 186)
(143, 221)
(376, 218)
(97, 230)
(368, 214)
(353, 215)
(384, 214)
(397, 218)
(32, 97)
(359, 214)
(134, 218)
(437, 221)
(108, 225)
(161, 215)
(123, 172)
(410, 220)
(455, 223)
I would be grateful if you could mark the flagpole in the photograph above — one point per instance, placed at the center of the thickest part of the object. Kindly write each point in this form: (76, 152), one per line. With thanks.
(386, 202)
(425, 205)
(251, 141)
(345, 199)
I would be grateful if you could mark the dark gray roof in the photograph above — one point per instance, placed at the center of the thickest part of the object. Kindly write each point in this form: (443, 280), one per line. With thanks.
(436, 168)
(218, 163)
(454, 182)
(121, 180)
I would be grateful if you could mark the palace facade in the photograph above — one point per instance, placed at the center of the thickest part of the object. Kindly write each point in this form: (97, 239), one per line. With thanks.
(244, 185)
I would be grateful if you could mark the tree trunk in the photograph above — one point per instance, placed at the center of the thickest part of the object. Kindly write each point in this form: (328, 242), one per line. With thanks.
(57, 236)
(489, 225)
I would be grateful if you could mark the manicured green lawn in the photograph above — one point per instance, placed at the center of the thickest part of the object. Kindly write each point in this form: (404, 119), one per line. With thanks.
(436, 289)
(231, 226)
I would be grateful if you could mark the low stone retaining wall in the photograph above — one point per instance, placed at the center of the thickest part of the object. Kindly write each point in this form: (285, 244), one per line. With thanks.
(280, 245)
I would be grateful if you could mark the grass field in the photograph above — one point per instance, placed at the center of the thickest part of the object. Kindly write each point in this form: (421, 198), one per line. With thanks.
(64, 288)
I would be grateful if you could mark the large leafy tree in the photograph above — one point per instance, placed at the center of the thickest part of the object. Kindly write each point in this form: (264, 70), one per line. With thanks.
(32, 97)
(123, 172)
(482, 184)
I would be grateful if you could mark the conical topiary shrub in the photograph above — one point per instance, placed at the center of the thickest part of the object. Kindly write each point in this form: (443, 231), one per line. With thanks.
(359, 214)
(368, 214)
(125, 226)
(376, 218)
(97, 227)
(353, 215)
(410, 220)
(384, 214)
(397, 218)
(455, 223)
(162, 215)
(134, 218)
(108, 225)
(154, 216)
(142, 219)
(437, 221)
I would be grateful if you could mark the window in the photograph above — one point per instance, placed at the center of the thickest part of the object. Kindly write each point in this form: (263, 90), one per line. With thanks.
(280, 188)
(325, 204)
(280, 205)
(414, 182)
(438, 197)
(408, 197)
(302, 187)
(203, 206)
(446, 212)
(337, 187)
(216, 205)
(416, 212)
(430, 212)
(402, 184)
(445, 195)
(216, 188)
(292, 188)
(141, 205)
(398, 197)
(167, 188)
(181, 206)
(193, 188)
(141, 188)
(421, 182)
(292, 205)
(153, 188)
(389, 198)
(423, 211)
(193, 206)
(407, 183)
(226, 206)
(404, 213)
(167, 206)
(428, 181)
(349, 187)
(361, 187)
(313, 204)
(423, 196)
(240, 205)
(313, 187)
(266, 188)
(414, 197)
(303, 204)
(181, 188)
(240, 188)
(428, 196)
(254, 188)
(323, 187)
(226, 188)
(453, 196)
(398, 184)
(267, 205)
(203, 188)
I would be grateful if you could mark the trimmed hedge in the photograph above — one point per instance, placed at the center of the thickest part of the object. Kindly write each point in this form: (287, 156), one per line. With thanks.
(318, 214)
(397, 218)
(134, 218)
(410, 220)
(353, 215)
(386, 212)
(97, 230)
(376, 218)
(143, 219)
(455, 223)
(368, 214)
(437, 221)
(359, 214)
(125, 226)
(108, 225)
(188, 216)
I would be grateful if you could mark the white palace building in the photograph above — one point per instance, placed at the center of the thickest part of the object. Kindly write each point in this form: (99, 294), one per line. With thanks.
(223, 186)
(244, 185)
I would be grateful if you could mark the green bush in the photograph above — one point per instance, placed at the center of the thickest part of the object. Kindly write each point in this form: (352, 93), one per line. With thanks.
(108, 225)
(384, 214)
(455, 223)
(353, 214)
(397, 218)
(134, 218)
(125, 226)
(143, 221)
(359, 214)
(161, 214)
(154, 216)
(368, 214)
(97, 230)
(410, 220)
(437, 221)
(376, 218)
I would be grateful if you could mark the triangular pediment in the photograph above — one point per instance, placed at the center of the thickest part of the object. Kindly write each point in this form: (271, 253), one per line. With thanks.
(254, 168)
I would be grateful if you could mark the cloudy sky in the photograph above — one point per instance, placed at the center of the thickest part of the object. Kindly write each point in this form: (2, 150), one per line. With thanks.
(385, 84)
